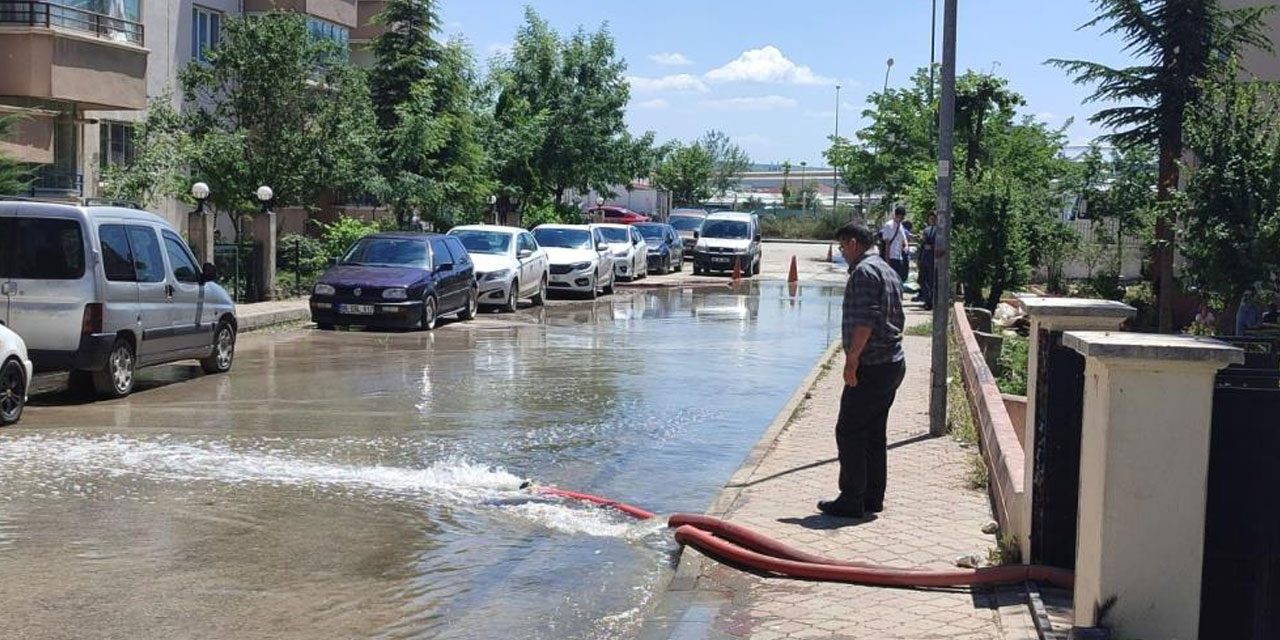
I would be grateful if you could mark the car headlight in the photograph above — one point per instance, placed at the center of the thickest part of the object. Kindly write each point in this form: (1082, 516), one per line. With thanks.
(500, 274)
(323, 289)
(579, 266)
(395, 293)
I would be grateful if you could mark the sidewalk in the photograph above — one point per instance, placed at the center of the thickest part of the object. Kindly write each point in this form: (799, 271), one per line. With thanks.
(260, 315)
(930, 518)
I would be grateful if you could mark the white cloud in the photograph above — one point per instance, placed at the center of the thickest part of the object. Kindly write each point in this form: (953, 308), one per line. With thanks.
(766, 64)
(657, 104)
(752, 139)
(670, 59)
(682, 82)
(761, 103)
(499, 48)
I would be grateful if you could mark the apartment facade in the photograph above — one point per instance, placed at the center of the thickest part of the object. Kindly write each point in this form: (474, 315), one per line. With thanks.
(82, 71)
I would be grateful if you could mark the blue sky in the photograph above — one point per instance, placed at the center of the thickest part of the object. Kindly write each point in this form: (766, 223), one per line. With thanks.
(765, 72)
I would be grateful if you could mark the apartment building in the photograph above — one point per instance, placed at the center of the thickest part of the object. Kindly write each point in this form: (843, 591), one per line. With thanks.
(81, 73)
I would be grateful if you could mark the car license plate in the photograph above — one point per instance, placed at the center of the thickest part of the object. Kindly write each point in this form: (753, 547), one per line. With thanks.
(718, 259)
(356, 309)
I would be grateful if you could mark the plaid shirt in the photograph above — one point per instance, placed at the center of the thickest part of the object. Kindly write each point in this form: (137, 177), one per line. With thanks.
(873, 298)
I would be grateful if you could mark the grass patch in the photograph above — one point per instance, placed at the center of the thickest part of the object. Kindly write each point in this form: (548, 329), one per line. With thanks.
(1013, 365)
(922, 330)
(960, 420)
(1006, 551)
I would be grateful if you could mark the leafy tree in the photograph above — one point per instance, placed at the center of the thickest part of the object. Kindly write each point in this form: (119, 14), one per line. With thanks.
(159, 166)
(855, 164)
(275, 106)
(1178, 43)
(728, 161)
(406, 53)
(982, 101)
(688, 173)
(13, 175)
(1232, 220)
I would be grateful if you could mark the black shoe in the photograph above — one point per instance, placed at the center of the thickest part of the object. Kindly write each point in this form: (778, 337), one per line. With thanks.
(873, 507)
(834, 508)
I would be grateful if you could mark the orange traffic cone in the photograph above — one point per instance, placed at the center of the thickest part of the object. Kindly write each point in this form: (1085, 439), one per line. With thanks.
(793, 275)
(737, 271)
(829, 253)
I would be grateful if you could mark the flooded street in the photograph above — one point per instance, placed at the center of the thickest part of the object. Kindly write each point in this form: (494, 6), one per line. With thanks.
(367, 485)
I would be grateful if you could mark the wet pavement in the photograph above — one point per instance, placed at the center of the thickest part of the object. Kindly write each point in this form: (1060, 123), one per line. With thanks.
(366, 485)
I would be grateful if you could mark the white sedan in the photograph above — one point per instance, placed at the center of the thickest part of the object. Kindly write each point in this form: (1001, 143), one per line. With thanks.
(630, 254)
(15, 376)
(580, 259)
(509, 264)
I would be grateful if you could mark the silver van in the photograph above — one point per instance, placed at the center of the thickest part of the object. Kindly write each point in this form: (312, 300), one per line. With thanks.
(101, 290)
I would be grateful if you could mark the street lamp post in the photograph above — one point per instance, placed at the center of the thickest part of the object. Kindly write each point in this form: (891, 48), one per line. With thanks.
(888, 66)
(264, 195)
(835, 173)
(200, 192)
(804, 200)
(493, 208)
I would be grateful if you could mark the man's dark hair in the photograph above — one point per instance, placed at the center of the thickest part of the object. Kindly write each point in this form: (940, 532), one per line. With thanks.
(900, 211)
(857, 231)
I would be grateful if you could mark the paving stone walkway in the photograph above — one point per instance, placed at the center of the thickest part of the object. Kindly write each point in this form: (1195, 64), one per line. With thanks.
(930, 518)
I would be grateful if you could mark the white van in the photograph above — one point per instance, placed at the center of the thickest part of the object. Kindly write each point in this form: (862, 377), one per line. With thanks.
(101, 290)
(727, 239)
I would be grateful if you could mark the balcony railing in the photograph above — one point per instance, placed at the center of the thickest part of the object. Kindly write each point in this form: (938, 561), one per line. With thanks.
(32, 13)
(50, 182)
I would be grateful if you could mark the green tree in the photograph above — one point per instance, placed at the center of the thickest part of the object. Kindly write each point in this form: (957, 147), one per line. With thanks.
(159, 166)
(406, 53)
(687, 173)
(728, 161)
(1232, 238)
(855, 164)
(276, 106)
(1178, 43)
(14, 176)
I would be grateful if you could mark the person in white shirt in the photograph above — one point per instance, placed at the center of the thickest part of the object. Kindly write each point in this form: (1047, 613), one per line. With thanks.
(893, 243)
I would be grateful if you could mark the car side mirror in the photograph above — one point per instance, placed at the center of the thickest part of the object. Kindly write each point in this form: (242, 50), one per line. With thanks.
(445, 267)
(333, 262)
(602, 247)
(208, 273)
(523, 254)
(757, 238)
(695, 235)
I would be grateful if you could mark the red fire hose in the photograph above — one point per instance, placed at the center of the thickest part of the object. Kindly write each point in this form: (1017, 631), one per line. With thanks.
(747, 548)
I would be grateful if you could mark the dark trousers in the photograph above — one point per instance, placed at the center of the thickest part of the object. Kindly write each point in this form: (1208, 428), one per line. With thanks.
(902, 267)
(860, 433)
(926, 280)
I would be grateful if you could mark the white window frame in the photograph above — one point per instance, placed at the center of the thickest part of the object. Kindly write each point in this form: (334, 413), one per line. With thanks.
(205, 36)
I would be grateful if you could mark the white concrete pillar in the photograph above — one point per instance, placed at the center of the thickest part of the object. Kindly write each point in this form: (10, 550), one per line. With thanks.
(1144, 462)
(1055, 315)
(264, 233)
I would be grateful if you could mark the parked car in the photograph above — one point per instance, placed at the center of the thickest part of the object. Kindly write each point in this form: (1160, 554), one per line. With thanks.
(509, 264)
(630, 255)
(102, 290)
(401, 280)
(612, 214)
(727, 239)
(15, 376)
(687, 223)
(581, 262)
(666, 250)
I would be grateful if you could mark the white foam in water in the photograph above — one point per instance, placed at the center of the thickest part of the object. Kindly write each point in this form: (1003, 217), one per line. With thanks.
(64, 462)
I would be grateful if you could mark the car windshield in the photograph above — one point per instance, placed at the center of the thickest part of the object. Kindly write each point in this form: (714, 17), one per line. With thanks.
(388, 252)
(476, 241)
(686, 223)
(651, 232)
(614, 235)
(563, 238)
(726, 229)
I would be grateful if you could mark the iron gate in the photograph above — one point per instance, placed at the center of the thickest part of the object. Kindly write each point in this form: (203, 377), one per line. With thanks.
(1055, 481)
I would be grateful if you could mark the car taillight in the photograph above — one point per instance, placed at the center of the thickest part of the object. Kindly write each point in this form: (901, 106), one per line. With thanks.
(92, 322)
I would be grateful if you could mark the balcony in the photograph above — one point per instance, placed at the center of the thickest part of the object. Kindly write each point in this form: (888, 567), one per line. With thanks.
(53, 51)
(340, 12)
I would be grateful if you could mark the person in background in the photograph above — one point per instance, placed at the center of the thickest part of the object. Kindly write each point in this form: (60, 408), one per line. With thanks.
(893, 242)
(924, 264)
(1205, 316)
(875, 363)
(1249, 314)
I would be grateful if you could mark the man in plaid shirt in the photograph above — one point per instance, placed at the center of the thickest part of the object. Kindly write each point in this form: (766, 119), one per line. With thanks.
(874, 366)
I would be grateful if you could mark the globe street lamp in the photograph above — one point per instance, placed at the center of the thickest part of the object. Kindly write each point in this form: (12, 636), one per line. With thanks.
(888, 66)
(264, 196)
(493, 207)
(200, 191)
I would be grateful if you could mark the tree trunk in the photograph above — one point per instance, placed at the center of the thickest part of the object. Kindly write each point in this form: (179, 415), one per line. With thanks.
(1170, 148)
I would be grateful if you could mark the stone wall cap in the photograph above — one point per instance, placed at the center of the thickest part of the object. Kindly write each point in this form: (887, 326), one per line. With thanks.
(1075, 307)
(1151, 346)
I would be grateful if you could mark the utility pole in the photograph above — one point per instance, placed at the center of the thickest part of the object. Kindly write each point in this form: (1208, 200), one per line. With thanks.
(835, 173)
(933, 41)
(942, 243)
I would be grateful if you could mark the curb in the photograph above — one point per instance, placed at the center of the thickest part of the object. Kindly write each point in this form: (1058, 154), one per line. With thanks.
(691, 616)
(268, 319)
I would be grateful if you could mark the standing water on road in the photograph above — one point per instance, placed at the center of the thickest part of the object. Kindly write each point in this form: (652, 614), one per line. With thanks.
(361, 484)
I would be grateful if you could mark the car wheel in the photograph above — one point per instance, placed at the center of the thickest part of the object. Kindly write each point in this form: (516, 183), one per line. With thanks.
(324, 326)
(224, 349)
(613, 280)
(594, 291)
(116, 380)
(13, 391)
(468, 312)
(759, 260)
(428, 320)
(666, 266)
(540, 298)
(513, 299)
(696, 270)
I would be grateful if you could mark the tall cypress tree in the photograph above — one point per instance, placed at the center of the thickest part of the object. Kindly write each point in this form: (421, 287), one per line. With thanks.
(406, 53)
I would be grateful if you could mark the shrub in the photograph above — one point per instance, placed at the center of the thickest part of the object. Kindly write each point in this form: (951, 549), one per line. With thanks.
(550, 214)
(1013, 366)
(299, 261)
(339, 235)
(821, 226)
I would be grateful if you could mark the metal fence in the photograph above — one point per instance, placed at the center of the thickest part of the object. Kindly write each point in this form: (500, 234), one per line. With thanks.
(93, 18)
(298, 265)
(239, 270)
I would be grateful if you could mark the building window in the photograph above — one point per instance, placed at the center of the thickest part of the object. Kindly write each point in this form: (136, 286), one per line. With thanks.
(325, 30)
(206, 27)
(115, 143)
